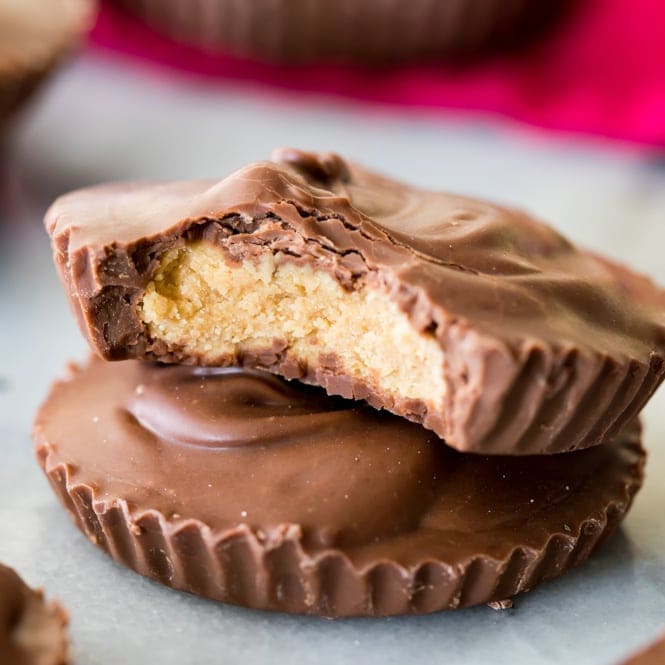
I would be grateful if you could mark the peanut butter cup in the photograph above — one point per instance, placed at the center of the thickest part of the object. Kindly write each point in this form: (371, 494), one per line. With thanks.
(34, 37)
(239, 486)
(32, 631)
(477, 321)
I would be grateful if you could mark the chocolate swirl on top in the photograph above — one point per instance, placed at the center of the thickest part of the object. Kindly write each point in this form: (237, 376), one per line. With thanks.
(245, 446)
(226, 407)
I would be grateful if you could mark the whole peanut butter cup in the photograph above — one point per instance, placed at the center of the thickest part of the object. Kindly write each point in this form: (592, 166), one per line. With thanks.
(238, 486)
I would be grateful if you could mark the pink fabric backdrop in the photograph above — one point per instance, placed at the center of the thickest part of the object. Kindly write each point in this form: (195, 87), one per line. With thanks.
(601, 72)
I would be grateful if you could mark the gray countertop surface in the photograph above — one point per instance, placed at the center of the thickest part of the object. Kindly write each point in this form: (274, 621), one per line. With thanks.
(107, 120)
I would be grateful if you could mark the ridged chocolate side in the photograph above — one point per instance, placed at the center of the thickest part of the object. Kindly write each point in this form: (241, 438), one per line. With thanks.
(374, 30)
(595, 398)
(279, 575)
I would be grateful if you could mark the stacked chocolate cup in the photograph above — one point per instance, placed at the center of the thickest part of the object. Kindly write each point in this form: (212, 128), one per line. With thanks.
(483, 378)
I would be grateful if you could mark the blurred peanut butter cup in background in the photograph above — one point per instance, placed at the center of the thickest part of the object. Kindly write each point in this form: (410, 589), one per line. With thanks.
(32, 630)
(374, 31)
(35, 35)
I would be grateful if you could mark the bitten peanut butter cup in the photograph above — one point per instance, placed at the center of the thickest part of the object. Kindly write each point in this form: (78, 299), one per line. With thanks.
(236, 485)
(369, 31)
(477, 321)
(32, 631)
(34, 36)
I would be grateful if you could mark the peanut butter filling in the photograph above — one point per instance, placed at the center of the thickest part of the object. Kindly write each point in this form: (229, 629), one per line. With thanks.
(200, 301)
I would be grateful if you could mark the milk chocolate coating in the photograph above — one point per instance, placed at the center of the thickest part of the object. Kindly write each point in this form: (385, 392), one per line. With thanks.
(236, 485)
(32, 632)
(547, 348)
